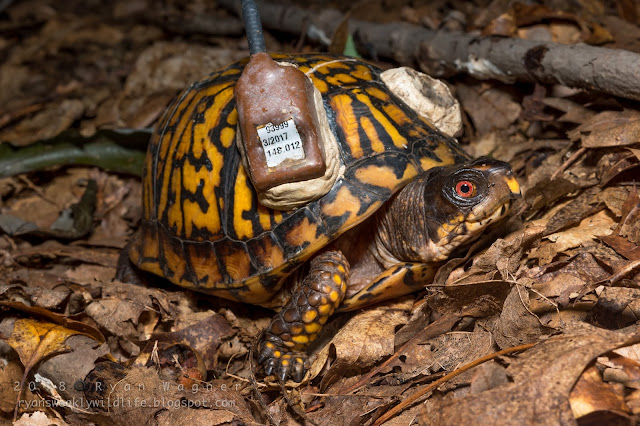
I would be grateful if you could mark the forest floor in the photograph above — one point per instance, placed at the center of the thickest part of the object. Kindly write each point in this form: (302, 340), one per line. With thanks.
(556, 287)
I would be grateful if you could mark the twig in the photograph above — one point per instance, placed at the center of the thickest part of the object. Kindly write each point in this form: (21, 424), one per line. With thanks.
(413, 398)
(441, 53)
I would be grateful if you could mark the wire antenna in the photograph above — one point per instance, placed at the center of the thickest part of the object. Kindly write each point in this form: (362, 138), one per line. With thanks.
(253, 26)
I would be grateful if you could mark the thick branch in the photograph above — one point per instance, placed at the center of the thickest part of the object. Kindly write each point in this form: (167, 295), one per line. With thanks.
(443, 53)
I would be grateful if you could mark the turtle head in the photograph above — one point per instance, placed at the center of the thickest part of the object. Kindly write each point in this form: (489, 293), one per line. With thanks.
(447, 207)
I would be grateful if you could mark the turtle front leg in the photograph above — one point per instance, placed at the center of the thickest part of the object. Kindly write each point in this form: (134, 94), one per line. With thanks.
(283, 347)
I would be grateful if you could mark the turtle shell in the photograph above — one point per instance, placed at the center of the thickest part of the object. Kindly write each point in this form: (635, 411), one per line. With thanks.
(203, 227)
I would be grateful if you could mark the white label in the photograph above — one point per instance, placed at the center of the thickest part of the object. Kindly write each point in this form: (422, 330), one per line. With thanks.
(280, 142)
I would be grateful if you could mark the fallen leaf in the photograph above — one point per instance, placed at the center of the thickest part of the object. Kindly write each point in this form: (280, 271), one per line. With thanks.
(363, 341)
(609, 128)
(542, 380)
(46, 124)
(489, 109)
(34, 341)
(589, 229)
(594, 401)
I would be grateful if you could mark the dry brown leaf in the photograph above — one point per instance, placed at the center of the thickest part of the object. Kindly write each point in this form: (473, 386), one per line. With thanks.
(46, 124)
(516, 324)
(38, 419)
(542, 379)
(60, 319)
(589, 229)
(574, 112)
(626, 236)
(609, 128)
(204, 336)
(457, 348)
(10, 374)
(584, 205)
(595, 401)
(488, 376)
(490, 109)
(617, 166)
(614, 198)
(618, 306)
(364, 340)
(35, 341)
(476, 299)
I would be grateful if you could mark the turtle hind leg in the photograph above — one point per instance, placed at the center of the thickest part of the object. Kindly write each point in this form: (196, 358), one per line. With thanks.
(283, 347)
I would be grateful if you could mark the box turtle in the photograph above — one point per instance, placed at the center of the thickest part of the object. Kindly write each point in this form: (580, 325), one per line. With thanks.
(405, 198)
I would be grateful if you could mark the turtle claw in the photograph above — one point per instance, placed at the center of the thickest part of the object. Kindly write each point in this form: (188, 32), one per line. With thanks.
(281, 362)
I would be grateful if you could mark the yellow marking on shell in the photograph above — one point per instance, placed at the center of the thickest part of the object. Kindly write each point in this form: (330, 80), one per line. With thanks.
(341, 269)
(337, 279)
(284, 362)
(362, 72)
(324, 309)
(345, 202)
(227, 136)
(340, 79)
(237, 265)
(312, 328)
(212, 117)
(320, 84)
(256, 292)
(348, 122)
(193, 214)
(270, 345)
(242, 202)
(333, 296)
(302, 233)
(174, 260)
(372, 134)
(204, 266)
(148, 242)
(174, 212)
(264, 217)
(231, 71)
(186, 100)
(397, 115)
(289, 344)
(309, 316)
(385, 176)
(296, 329)
(277, 354)
(277, 216)
(232, 118)
(443, 152)
(398, 140)
(301, 339)
(378, 93)
(176, 147)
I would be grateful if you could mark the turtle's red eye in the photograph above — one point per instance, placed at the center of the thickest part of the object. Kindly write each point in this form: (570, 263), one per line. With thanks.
(465, 189)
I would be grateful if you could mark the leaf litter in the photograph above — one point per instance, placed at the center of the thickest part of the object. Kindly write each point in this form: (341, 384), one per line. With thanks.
(561, 274)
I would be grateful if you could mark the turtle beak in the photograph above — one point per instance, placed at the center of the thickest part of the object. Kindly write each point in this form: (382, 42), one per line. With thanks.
(499, 173)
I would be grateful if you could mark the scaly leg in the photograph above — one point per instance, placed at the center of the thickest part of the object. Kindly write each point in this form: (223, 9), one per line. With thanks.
(283, 347)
